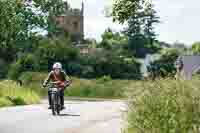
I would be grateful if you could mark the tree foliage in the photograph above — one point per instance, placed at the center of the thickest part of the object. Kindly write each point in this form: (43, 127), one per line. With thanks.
(111, 40)
(196, 48)
(17, 20)
(165, 65)
(141, 17)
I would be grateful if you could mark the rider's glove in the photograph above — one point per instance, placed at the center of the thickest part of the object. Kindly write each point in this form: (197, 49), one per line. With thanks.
(67, 83)
(44, 85)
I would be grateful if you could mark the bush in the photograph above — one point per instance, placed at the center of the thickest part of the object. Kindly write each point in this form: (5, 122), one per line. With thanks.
(29, 62)
(74, 68)
(164, 106)
(104, 87)
(196, 48)
(112, 65)
(164, 66)
(5, 102)
(17, 101)
(15, 70)
(55, 50)
(88, 72)
(34, 81)
(4, 69)
(12, 94)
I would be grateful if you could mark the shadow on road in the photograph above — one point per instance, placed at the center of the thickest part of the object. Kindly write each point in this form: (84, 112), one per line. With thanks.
(68, 115)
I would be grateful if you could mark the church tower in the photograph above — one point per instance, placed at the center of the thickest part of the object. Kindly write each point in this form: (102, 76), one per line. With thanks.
(73, 23)
(82, 17)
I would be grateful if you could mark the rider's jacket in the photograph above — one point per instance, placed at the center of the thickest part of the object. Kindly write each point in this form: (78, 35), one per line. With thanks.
(62, 78)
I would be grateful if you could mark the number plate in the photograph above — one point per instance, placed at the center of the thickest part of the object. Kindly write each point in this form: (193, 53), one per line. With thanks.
(54, 89)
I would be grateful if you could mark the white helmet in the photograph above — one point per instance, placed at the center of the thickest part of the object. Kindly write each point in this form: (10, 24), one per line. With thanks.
(57, 66)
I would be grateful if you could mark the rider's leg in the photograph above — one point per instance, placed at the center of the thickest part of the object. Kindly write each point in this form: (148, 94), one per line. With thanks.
(62, 98)
(49, 98)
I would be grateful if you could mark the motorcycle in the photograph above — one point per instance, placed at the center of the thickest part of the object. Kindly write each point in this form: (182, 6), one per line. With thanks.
(56, 106)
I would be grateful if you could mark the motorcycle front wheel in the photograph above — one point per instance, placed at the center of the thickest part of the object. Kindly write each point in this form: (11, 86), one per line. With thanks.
(58, 107)
(53, 103)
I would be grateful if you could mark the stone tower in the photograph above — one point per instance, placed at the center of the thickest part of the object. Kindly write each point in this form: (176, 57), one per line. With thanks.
(73, 22)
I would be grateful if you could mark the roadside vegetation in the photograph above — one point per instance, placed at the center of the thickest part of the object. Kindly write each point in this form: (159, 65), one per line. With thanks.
(164, 106)
(103, 87)
(12, 94)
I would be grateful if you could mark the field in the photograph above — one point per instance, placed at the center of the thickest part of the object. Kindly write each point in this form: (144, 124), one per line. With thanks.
(31, 91)
(103, 87)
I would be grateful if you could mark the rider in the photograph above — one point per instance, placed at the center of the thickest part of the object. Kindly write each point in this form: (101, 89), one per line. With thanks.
(59, 76)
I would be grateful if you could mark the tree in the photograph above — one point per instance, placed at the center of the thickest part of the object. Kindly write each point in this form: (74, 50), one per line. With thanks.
(141, 17)
(53, 50)
(17, 20)
(196, 48)
(164, 66)
(50, 9)
(20, 21)
(112, 40)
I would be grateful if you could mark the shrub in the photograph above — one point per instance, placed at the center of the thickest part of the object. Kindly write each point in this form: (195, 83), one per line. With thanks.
(15, 70)
(34, 81)
(12, 94)
(112, 65)
(5, 102)
(74, 68)
(164, 66)
(100, 88)
(164, 106)
(4, 68)
(104, 79)
(196, 48)
(55, 50)
(29, 62)
(104, 87)
(88, 72)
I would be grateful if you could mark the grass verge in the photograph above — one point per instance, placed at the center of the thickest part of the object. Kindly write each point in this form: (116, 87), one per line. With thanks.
(103, 87)
(12, 94)
(164, 106)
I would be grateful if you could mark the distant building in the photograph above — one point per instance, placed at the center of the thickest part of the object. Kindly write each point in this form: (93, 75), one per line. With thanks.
(165, 45)
(191, 65)
(73, 22)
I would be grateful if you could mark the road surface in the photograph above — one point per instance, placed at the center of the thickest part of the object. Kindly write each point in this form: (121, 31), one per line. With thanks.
(78, 117)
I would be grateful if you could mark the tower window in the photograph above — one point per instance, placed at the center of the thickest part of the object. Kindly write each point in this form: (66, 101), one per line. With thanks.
(75, 25)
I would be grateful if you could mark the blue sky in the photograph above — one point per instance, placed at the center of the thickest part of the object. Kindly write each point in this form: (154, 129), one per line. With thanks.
(180, 19)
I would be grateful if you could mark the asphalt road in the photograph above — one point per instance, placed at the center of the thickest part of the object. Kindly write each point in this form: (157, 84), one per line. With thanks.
(78, 117)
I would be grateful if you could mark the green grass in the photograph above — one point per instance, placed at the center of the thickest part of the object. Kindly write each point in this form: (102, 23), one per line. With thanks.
(164, 106)
(13, 94)
(103, 87)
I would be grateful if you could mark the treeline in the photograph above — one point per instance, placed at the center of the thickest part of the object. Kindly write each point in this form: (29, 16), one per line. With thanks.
(49, 51)
(23, 48)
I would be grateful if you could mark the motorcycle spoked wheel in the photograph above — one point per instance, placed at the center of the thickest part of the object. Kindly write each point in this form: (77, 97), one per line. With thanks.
(53, 104)
(58, 105)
